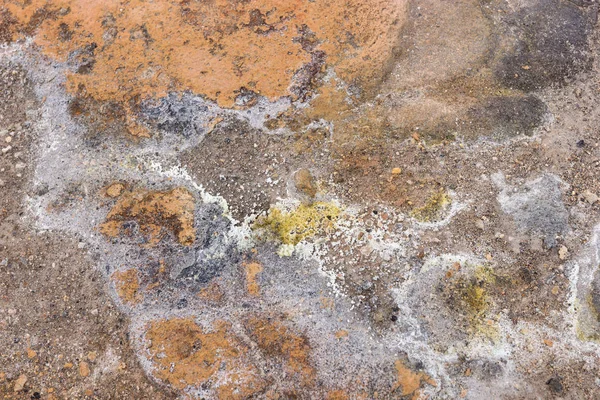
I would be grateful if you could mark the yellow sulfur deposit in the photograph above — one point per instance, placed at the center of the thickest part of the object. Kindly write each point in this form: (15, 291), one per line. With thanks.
(305, 221)
(433, 208)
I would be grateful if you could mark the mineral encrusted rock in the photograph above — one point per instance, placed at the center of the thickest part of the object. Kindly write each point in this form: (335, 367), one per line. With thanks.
(269, 199)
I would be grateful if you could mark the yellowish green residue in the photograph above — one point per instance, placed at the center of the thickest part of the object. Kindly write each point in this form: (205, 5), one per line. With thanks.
(593, 310)
(588, 321)
(433, 208)
(586, 333)
(305, 221)
(474, 292)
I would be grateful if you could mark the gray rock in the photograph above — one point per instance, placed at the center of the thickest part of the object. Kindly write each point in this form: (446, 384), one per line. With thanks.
(536, 207)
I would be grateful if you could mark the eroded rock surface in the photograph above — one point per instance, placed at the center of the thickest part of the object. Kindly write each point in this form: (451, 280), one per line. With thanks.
(268, 199)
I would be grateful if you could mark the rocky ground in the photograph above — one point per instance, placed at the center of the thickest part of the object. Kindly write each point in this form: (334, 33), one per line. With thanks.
(261, 199)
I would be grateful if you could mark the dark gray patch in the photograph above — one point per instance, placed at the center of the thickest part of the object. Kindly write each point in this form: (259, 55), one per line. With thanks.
(537, 208)
(503, 117)
(551, 46)
(555, 385)
(202, 272)
(211, 251)
(179, 114)
(486, 369)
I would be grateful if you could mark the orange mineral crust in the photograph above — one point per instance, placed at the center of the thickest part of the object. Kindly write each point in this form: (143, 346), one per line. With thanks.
(143, 49)
(277, 341)
(156, 213)
(127, 284)
(252, 270)
(410, 382)
(183, 354)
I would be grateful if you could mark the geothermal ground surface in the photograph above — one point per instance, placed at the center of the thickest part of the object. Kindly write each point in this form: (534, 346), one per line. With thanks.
(299, 199)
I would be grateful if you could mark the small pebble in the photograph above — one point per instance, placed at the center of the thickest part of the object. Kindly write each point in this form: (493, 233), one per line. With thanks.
(563, 252)
(20, 383)
(590, 197)
(84, 369)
